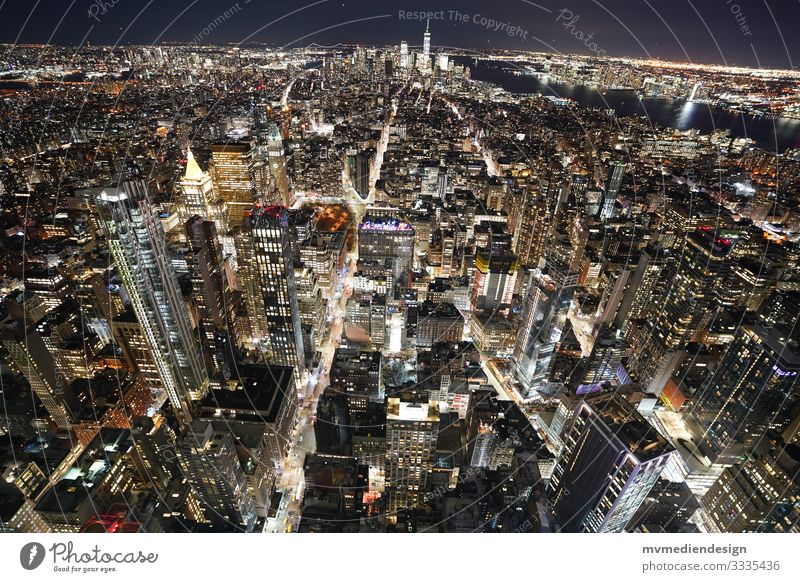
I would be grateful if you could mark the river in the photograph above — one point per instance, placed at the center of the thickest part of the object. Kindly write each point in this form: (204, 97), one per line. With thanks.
(771, 134)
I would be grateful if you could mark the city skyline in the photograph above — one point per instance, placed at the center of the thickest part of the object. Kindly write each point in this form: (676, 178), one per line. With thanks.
(741, 33)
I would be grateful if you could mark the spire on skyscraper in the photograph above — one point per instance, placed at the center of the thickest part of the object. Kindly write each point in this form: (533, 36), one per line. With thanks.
(193, 171)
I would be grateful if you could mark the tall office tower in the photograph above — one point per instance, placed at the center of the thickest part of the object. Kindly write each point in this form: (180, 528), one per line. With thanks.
(687, 303)
(277, 163)
(612, 189)
(752, 495)
(198, 189)
(233, 178)
(28, 355)
(154, 448)
(607, 352)
(404, 55)
(312, 309)
(357, 375)
(412, 427)
(137, 244)
(611, 459)
(544, 316)
(129, 337)
(388, 241)
(275, 290)
(208, 460)
(533, 229)
(754, 381)
(482, 416)
(641, 287)
(495, 280)
(260, 412)
(216, 310)
(426, 42)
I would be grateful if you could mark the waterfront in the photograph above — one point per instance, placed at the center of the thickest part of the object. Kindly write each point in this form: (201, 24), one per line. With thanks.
(770, 134)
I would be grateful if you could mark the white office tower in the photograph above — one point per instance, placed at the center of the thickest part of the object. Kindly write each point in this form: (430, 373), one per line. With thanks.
(136, 240)
(197, 188)
(403, 55)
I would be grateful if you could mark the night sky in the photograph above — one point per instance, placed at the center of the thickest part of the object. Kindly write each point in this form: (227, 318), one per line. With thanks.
(742, 32)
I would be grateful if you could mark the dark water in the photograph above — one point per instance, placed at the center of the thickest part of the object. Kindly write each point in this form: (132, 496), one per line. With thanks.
(770, 134)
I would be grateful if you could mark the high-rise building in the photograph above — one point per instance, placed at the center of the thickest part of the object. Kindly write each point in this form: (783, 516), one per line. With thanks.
(687, 302)
(544, 316)
(438, 322)
(209, 463)
(260, 409)
(426, 43)
(412, 426)
(197, 188)
(612, 189)
(361, 172)
(610, 461)
(753, 494)
(495, 281)
(388, 241)
(357, 375)
(233, 178)
(136, 240)
(211, 289)
(275, 293)
(28, 355)
(277, 163)
(756, 378)
(404, 55)
(532, 229)
(606, 356)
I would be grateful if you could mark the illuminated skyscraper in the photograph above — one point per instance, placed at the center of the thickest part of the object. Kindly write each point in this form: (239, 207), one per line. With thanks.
(211, 289)
(426, 42)
(209, 462)
(411, 434)
(532, 228)
(403, 55)
(136, 241)
(685, 306)
(756, 378)
(611, 459)
(544, 315)
(197, 188)
(607, 352)
(233, 179)
(275, 290)
(277, 163)
(612, 189)
(760, 493)
(495, 280)
(360, 172)
(28, 355)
